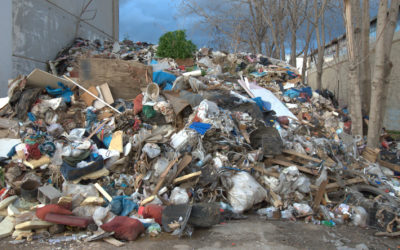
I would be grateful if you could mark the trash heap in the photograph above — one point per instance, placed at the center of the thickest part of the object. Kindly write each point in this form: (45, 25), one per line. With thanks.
(126, 143)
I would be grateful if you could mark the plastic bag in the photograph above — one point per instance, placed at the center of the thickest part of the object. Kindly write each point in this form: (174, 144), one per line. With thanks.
(359, 216)
(160, 166)
(268, 211)
(246, 192)
(179, 196)
(152, 150)
(302, 209)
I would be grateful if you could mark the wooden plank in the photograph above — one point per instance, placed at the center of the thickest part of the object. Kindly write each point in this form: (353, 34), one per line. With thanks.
(389, 165)
(41, 79)
(125, 78)
(103, 192)
(306, 157)
(335, 185)
(114, 241)
(320, 193)
(186, 177)
(147, 200)
(8, 123)
(300, 168)
(265, 172)
(161, 180)
(183, 164)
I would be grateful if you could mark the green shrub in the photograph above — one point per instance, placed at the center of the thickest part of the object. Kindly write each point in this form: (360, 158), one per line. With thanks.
(173, 44)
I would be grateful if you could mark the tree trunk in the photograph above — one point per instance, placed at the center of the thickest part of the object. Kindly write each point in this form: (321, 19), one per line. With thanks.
(379, 77)
(319, 22)
(365, 67)
(356, 116)
(390, 28)
(293, 50)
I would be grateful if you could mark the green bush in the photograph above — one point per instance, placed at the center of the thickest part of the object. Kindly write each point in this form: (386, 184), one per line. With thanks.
(173, 44)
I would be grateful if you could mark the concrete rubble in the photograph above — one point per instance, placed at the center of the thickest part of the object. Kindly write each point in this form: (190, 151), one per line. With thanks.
(168, 146)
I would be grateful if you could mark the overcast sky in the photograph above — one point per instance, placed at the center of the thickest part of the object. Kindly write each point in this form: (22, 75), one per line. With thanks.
(147, 20)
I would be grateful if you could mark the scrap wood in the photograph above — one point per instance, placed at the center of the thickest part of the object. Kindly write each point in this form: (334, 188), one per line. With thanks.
(147, 200)
(103, 192)
(163, 176)
(90, 93)
(183, 164)
(289, 164)
(335, 185)
(186, 177)
(113, 241)
(306, 157)
(370, 154)
(8, 123)
(97, 129)
(395, 234)
(389, 165)
(265, 172)
(320, 193)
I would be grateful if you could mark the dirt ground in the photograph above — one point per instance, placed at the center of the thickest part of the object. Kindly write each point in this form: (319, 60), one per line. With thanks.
(252, 233)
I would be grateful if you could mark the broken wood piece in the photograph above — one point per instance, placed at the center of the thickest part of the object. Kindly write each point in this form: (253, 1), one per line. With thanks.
(97, 129)
(186, 177)
(114, 241)
(147, 200)
(89, 99)
(103, 192)
(389, 165)
(370, 154)
(306, 157)
(395, 234)
(90, 93)
(335, 185)
(300, 168)
(320, 193)
(161, 180)
(183, 164)
(8, 123)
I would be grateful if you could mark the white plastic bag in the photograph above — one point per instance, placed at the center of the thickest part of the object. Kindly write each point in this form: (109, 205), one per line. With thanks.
(179, 196)
(302, 209)
(152, 150)
(359, 217)
(246, 192)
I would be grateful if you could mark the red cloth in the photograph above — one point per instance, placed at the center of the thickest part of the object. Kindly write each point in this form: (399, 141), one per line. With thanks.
(124, 228)
(153, 211)
(137, 104)
(52, 208)
(33, 151)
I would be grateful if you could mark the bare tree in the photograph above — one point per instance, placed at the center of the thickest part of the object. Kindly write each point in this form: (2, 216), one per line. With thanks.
(297, 14)
(356, 115)
(386, 25)
(319, 23)
(365, 67)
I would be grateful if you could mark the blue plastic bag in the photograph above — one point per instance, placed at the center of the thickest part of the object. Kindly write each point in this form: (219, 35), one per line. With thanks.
(63, 92)
(161, 77)
(200, 127)
(122, 205)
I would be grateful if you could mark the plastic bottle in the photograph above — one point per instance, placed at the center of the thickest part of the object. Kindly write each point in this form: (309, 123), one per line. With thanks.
(328, 223)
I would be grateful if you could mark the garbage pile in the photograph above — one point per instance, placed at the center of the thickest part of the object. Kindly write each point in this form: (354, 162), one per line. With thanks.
(119, 148)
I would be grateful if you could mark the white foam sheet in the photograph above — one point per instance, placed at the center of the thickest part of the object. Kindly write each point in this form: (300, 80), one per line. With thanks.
(6, 145)
(267, 96)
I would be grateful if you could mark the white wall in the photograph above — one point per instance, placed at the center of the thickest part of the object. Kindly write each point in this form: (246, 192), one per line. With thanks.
(39, 29)
(5, 45)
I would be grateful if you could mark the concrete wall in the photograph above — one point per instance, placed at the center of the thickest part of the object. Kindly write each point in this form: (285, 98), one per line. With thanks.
(6, 45)
(36, 30)
(335, 76)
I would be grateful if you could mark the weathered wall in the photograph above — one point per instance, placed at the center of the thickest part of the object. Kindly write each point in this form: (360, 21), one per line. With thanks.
(41, 28)
(6, 45)
(335, 75)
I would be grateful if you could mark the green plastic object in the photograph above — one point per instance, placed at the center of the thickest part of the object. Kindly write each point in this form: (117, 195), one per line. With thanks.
(148, 112)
